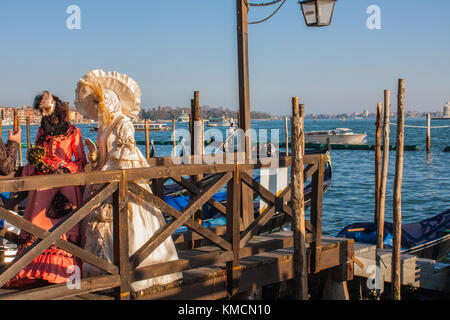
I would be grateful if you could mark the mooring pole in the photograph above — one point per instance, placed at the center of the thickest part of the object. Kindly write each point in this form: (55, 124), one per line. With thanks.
(28, 134)
(397, 199)
(428, 133)
(66, 107)
(384, 172)
(197, 147)
(298, 205)
(286, 135)
(147, 140)
(378, 159)
(16, 126)
(174, 137)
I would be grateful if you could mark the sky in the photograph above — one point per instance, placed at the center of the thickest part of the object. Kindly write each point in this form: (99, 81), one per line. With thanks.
(174, 47)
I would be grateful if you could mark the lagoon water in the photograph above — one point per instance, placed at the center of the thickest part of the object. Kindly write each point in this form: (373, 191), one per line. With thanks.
(426, 179)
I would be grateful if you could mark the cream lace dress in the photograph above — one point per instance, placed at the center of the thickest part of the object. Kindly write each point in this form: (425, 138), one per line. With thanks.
(117, 150)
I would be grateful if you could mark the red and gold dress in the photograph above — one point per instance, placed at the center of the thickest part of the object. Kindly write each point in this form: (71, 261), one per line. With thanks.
(53, 265)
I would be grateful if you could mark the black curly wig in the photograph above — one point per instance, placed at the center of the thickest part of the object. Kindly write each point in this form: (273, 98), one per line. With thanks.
(56, 123)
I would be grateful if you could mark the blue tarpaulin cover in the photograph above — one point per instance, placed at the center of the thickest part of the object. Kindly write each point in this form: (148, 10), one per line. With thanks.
(413, 234)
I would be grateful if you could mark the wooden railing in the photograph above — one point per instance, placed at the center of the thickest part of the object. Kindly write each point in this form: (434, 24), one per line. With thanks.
(232, 244)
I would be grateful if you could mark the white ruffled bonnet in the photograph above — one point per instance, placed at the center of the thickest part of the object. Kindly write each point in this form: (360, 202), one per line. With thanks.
(124, 87)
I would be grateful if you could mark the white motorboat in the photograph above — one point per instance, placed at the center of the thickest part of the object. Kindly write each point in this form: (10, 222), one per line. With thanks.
(220, 122)
(152, 126)
(184, 117)
(337, 136)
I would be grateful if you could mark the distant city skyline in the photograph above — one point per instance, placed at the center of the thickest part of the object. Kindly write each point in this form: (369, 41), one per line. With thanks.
(172, 48)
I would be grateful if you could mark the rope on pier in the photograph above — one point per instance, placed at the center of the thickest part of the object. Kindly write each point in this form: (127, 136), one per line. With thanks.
(422, 127)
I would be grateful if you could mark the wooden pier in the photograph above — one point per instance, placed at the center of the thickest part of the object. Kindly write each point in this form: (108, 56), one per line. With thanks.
(416, 272)
(225, 262)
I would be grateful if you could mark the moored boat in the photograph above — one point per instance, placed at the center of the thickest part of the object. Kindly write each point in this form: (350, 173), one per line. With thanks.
(152, 126)
(220, 122)
(184, 117)
(140, 126)
(429, 238)
(337, 136)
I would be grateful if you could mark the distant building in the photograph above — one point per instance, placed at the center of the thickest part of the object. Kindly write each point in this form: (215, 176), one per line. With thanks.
(75, 116)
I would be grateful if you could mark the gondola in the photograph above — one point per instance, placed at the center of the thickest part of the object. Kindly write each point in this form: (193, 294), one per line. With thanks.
(429, 238)
(177, 197)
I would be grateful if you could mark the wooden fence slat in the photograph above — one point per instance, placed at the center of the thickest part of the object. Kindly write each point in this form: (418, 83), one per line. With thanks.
(58, 291)
(8, 184)
(180, 265)
(234, 212)
(309, 171)
(33, 229)
(56, 232)
(257, 224)
(58, 180)
(193, 189)
(120, 236)
(163, 233)
(263, 192)
(166, 208)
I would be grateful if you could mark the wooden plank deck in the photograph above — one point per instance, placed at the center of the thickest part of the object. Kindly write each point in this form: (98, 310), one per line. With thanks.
(261, 268)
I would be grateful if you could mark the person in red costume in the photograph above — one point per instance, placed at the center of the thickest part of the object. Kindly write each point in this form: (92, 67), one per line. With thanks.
(58, 150)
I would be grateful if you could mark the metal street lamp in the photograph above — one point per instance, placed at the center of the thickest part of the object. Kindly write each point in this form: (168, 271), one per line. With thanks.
(317, 13)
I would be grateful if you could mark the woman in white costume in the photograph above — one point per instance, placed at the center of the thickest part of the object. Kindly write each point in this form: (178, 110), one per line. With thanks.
(113, 99)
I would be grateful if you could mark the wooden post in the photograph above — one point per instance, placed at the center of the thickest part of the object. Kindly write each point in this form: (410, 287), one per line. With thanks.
(120, 234)
(316, 215)
(428, 133)
(397, 198)
(298, 205)
(378, 160)
(233, 231)
(16, 127)
(66, 107)
(28, 134)
(286, 135)
(384, 172)
(197, 149)
(244, 101)
(147, 141)
(174, 137)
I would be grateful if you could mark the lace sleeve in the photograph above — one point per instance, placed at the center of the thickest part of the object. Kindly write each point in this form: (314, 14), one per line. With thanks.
(125, 147)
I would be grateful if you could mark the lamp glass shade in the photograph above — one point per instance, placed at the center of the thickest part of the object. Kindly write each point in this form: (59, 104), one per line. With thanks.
(309, 12)
(318, 13)
(325, 12)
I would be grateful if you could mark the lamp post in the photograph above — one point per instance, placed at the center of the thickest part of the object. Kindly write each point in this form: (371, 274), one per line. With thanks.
(317, 13)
